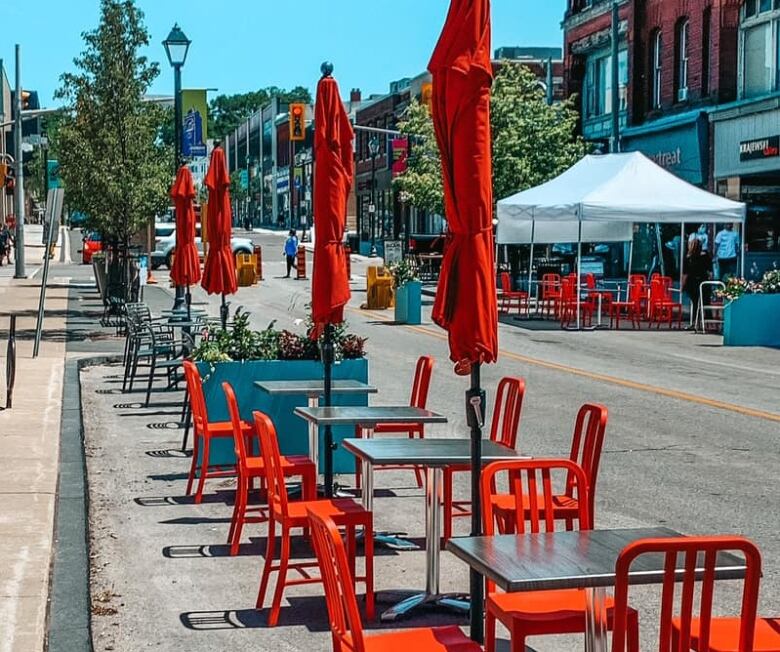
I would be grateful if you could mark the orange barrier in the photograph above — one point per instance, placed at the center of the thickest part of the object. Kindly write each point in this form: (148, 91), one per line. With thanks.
(300, 263)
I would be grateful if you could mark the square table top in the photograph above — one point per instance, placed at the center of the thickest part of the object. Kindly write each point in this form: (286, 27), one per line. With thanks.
(367, 416)
(571, 560)
(425, 452)
(313, 387)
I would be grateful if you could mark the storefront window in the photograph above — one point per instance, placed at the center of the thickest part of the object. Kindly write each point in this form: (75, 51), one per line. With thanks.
(681, 58)
(760, 43)
(763, 228)
(656, 56)
(599, 84)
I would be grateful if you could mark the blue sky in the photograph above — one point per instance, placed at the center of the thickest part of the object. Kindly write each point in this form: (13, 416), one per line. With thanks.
(249, 44)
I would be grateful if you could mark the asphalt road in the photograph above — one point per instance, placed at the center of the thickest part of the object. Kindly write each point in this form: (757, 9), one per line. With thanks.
(692, 441)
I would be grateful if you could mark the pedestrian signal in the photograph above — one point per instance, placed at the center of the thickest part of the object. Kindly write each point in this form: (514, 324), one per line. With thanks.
(297, 122)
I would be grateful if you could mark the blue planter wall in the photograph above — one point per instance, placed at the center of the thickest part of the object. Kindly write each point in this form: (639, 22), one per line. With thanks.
(752, 320)
(292, 430)
(401, 308)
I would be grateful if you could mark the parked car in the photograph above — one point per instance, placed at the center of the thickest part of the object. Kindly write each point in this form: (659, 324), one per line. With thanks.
(165, 243)
(90, 245)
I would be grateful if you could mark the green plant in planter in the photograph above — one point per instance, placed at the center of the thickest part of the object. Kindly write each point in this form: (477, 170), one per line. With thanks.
(771, 282)
(404, 271)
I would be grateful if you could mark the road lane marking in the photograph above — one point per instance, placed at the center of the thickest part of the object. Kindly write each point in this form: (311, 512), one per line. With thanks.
(604, 378)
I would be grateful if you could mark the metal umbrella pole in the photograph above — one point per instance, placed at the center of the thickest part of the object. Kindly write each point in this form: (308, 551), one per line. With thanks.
(475, 417)
(223, 313)
(328, 355)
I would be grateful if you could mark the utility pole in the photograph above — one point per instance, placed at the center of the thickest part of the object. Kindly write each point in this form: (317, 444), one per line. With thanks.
(615, 144)
(19, 187)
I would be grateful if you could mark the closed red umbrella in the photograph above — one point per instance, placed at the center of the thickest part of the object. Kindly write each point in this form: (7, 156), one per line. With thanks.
(465, 302)
(219, 272)
(186, 263)
(332, 182)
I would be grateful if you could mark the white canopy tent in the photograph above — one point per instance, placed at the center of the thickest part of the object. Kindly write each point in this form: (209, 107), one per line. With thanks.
(600, 198)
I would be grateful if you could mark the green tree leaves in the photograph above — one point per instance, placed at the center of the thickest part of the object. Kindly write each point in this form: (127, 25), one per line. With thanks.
(112, 160)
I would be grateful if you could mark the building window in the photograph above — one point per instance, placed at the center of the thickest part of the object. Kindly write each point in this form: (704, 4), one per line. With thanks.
(760, 47)
(681, 60)
(705, 51)
(656, 59)
(598, 84)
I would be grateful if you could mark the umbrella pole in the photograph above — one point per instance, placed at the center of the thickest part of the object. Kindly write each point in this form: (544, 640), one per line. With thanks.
(223, 313)
(189, 304)
(475, 417)
(327, 364)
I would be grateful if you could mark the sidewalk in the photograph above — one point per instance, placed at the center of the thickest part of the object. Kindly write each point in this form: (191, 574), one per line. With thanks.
(29, 437)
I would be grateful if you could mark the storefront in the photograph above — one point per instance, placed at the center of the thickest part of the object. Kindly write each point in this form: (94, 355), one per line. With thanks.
(747, 167)
(679, 144)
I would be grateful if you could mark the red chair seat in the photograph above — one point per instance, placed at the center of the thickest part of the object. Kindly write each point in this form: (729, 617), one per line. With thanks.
(724, 634)
(541, 605)
(257, 467)
(446, 639)
(338, 509)
(562, 504)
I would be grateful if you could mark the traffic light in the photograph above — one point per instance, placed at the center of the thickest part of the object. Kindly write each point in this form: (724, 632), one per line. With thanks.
(297, 122)
(26, 96)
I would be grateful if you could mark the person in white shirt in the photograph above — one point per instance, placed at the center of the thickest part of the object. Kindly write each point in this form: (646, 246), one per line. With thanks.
(726, 249)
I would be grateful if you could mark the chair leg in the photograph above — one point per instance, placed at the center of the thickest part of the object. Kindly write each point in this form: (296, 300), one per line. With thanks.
(204, 468)
(239, 515)
(281, 579)
(152, 370)
(234, 515)
(517, 644)
(133, 371)
(633, 633)
(490, 631)
(368, 552)
(270, 550)
(194, 464)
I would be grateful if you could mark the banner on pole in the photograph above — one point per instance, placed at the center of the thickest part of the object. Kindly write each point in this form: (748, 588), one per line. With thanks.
(195, 124)
(400, 155)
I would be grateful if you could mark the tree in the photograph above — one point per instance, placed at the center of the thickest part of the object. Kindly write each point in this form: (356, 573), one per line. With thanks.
(421, 184)
(112, 160)
(226, 112)
(532, 141)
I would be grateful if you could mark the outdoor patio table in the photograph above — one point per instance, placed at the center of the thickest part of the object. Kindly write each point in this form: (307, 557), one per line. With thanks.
(434, 455)
(573, 560)
(313, 389)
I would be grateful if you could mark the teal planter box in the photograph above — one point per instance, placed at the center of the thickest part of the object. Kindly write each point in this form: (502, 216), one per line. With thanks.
(292, 430)
(401, 305)
(414, 302)
(752, 320)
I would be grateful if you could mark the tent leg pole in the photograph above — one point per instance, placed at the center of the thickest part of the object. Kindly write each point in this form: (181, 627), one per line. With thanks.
(630, 265)
(579, 274)
(742, 250)
(682, 264)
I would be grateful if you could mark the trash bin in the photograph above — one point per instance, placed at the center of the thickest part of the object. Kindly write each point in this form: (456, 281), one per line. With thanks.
(413, 302)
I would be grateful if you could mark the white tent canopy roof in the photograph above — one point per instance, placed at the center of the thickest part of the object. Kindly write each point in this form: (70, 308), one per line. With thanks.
(624, 188)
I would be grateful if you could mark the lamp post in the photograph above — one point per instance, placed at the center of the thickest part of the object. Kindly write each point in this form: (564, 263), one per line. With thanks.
(373, 149)
(176, 47)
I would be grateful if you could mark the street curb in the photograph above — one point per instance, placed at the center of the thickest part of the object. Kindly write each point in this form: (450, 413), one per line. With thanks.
(69, 622)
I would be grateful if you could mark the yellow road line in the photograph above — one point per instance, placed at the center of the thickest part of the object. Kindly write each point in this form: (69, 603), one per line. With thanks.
(612, 380)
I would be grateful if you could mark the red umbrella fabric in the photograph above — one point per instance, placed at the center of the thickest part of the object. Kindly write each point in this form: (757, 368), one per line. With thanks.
(465, 302)
(333, 172)
(186, 263)
(219, 272)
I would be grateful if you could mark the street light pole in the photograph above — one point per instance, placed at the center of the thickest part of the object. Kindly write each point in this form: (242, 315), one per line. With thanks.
(373, 148)
(19, 271)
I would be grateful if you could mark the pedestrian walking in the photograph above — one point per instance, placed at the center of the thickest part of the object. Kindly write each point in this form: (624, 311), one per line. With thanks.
(697, 270)
(291, 250)
(726, 248)
(4, 240)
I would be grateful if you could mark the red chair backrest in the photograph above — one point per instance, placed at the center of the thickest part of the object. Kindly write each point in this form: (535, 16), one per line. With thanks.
(506, 411)
(345, 624)
(568, 292)
(636, 291)
(200, 422)
(422, 381)
(550, 285)
(506, 282)
(637, 278)
(272, 460)
(587, 442)
(239, 443)
(699, 555)
(590, 281)
(532, 480)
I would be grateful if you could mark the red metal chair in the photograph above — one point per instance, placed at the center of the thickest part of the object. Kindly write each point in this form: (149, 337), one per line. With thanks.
(250, 467)
(419, 398)
(724, 635)
(567, 310)
(551, 294)
(664, 309)
(629, 309)
(345, 512)
(345, 624)
(680, 629)
(586, 445)
(594, 293)
(530, 482)
(510, 298)
(504, 427)
(203, 432)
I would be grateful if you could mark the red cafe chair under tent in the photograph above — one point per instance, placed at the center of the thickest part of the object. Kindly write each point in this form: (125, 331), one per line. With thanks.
(568, 304)
(663, 308)
(510, 298)
(504, 427)
(631, 308)
(537, 613)
(680, 626)
(586, 446)
(345, 512)
(594, 294)
(345, 623)
(550, 294)
(250, 467)
(203, 432)
(419, 398)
